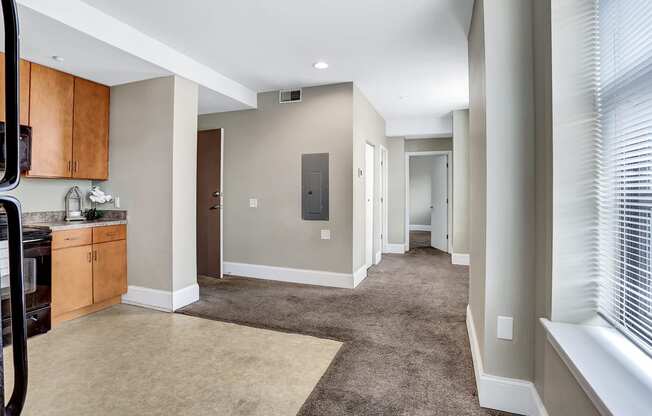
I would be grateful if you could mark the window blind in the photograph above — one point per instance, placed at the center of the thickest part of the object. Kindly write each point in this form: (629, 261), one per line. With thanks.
(624, 192)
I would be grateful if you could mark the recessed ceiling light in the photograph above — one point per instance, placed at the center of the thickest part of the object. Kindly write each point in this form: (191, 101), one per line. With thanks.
(320, 65)
(57, 58)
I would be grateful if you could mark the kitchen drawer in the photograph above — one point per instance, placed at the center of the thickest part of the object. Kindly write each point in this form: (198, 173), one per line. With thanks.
(72, 238)
(109, 233)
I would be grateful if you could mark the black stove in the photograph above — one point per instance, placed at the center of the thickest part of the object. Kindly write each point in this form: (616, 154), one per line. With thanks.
(37, 270)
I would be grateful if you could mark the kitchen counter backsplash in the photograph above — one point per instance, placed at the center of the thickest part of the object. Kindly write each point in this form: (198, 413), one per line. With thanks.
(59, 216)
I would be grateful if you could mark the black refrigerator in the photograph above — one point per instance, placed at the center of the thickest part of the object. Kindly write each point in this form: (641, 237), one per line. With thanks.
(10, 174)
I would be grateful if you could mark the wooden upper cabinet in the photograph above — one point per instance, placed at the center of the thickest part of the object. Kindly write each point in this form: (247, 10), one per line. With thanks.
(24, 90)
(51, 118)
(90, 152)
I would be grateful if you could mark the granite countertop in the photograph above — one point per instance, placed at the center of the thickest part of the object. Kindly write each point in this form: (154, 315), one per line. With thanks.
(54, 220)
(73, 225)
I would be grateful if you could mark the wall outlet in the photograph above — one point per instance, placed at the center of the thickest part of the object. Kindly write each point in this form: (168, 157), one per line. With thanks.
(253, 203)
(325, 234)
(505, 328)
(117, 202)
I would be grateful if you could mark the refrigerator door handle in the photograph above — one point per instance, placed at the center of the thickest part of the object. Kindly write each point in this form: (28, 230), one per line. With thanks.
(17, 294)
(11, 176)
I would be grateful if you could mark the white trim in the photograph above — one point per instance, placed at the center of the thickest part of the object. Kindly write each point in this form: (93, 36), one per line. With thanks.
(394, 248)
(222, 136)
(286, 274)
(449, 193)
(419, 227)
(461, 259)
(185, 296)
(161, 300)
(615, 373)
(378, 257)
(502, 393)
(384, 172)
(359, 276)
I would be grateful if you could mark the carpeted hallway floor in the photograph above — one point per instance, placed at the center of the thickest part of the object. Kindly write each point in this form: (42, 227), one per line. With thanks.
(405, 352)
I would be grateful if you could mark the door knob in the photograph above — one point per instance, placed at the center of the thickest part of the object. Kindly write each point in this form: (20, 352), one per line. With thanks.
(215, 207)
(217, 193)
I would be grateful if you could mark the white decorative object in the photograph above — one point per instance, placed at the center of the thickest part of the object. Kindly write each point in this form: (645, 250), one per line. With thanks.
(98, 196)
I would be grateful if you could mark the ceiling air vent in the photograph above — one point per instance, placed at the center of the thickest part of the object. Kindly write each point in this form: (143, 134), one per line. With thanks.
(289, 96)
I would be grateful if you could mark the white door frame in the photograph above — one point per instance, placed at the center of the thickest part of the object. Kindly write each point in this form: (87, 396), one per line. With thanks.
(384, 172)
(222, 203)
(449, 170)
(369, 263)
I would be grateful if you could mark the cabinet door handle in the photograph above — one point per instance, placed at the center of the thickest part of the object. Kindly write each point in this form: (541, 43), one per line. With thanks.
(70, 166)
(89, 256)
(95, 255)
(74, 164)
(71, 238)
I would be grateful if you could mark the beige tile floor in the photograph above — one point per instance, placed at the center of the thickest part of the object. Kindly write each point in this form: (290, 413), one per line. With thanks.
(133, 361)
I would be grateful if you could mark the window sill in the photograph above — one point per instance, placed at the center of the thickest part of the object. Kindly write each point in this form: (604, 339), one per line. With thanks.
(613, 371)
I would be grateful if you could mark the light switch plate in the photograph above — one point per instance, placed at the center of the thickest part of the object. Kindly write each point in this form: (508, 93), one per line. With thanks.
(325, 234)
(116, 202)
(505, 328)
(253, 203)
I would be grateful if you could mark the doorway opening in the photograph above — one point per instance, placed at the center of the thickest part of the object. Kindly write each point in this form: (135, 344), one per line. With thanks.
(428, 208)
(210, 199)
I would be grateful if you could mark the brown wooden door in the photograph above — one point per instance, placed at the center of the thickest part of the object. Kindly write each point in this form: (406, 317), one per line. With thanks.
(109, 270)
(90, 151)
(209, 202)
(24, 90)
(50, 115)
(72, 279)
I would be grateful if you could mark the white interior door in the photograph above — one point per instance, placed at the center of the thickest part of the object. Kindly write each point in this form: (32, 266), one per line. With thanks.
(369, 205)
(439, 204)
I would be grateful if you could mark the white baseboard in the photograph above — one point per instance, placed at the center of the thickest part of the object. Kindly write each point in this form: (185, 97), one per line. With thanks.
(502, 393)
(185, 296)
(285, 274)
(359, 276)
(461, 259)
(394, 248)
(417, 227)
(378, 257)
(161, 300)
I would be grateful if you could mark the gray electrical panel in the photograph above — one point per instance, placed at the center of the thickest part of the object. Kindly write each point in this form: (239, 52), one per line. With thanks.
(314, 186)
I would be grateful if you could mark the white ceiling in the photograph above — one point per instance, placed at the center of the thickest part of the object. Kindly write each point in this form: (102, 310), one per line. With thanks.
(416, 49)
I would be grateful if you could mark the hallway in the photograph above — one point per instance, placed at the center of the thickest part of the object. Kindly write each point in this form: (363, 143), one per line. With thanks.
(405, 351)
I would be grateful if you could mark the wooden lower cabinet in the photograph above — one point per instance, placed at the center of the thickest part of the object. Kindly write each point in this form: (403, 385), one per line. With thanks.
(87, 277)
(109, 270)
(72, 279)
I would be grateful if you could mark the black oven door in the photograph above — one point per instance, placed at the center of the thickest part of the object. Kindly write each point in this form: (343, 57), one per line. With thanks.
(37, 283)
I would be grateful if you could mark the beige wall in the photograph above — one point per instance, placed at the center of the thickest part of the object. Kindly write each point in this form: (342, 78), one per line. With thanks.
(477, 171)
(541, 38)
(262, 159)
(563, 395)
(140, 156)
(429, 145)
(396, 190)
(152, 167)
(37, 195)
(368, 127)
(510, 185)
(461, 192)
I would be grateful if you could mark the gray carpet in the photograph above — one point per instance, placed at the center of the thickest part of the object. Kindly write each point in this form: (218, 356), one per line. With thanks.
(405, 352)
